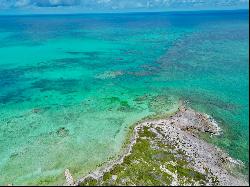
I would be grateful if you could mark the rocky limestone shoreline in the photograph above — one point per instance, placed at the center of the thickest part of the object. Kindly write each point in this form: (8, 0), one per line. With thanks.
(169, 152)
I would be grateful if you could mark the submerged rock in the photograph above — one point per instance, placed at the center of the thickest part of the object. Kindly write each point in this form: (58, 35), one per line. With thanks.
(110, 75)
(36, 110)
(62, 132)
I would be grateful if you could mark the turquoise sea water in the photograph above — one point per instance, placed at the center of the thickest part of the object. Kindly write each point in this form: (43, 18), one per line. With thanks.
(72, 85)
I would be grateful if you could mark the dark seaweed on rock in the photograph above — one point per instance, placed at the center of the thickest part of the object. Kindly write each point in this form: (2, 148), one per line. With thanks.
(60, 85)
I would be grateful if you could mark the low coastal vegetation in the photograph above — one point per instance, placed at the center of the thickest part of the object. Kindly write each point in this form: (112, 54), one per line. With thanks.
(150, 163)
(169, 152)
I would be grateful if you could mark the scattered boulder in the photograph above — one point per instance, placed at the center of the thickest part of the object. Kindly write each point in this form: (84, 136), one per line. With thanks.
(69, 178)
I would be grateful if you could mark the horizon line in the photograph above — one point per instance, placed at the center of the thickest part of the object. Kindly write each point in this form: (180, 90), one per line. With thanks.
(123, 12)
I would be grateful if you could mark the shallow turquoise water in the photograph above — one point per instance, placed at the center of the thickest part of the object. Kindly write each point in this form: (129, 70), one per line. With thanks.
(71, 86)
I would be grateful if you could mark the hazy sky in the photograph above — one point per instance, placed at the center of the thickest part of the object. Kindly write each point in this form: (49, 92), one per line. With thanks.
(71, 6)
